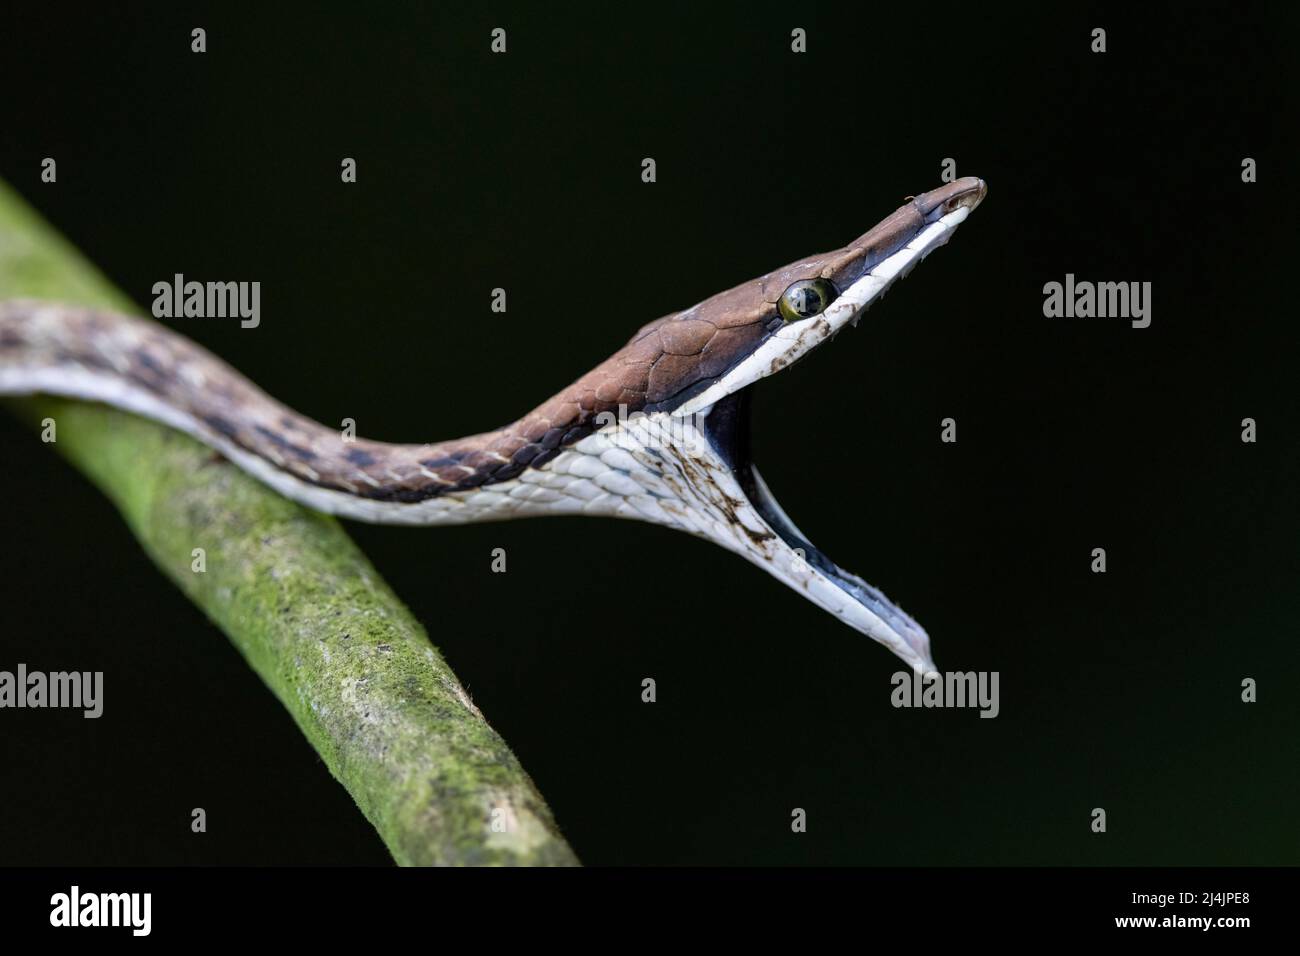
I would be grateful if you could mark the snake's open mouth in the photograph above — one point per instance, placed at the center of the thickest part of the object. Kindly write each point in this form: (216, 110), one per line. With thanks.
(785, 551)
(753, 523)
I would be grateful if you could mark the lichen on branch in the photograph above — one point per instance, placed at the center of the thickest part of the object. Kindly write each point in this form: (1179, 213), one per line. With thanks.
(302, 604)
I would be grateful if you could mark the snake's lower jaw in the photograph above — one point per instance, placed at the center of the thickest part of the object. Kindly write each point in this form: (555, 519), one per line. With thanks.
(792, 558)
(721, 496)
(693, 473)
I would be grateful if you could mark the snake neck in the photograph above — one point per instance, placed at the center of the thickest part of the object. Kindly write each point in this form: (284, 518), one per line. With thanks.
(142, 367)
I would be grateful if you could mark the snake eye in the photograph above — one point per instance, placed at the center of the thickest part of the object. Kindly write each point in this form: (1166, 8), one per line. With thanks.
(806, 298)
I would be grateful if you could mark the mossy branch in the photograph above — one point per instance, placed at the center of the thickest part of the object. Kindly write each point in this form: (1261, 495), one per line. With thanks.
(301, 603)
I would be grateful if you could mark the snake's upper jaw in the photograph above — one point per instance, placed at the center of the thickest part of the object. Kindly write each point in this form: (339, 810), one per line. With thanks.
(862, 271)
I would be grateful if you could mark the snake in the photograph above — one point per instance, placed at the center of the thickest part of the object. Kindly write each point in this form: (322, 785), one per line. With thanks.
(658, 432)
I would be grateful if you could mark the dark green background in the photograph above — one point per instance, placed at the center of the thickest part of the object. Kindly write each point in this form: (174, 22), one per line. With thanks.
(522, 171)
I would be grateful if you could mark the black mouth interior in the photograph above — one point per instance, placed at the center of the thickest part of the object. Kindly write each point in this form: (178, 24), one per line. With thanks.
(728, 430)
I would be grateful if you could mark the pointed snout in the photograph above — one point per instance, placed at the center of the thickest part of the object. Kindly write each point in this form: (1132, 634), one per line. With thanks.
(968, 192)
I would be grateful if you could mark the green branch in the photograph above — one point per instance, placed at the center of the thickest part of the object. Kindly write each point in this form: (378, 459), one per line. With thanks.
(301, 603)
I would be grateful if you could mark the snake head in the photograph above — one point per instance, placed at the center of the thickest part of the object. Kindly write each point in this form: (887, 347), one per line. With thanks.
(679, 442)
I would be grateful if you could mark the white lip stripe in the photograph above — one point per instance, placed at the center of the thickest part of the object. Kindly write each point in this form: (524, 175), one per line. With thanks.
(793, 341)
